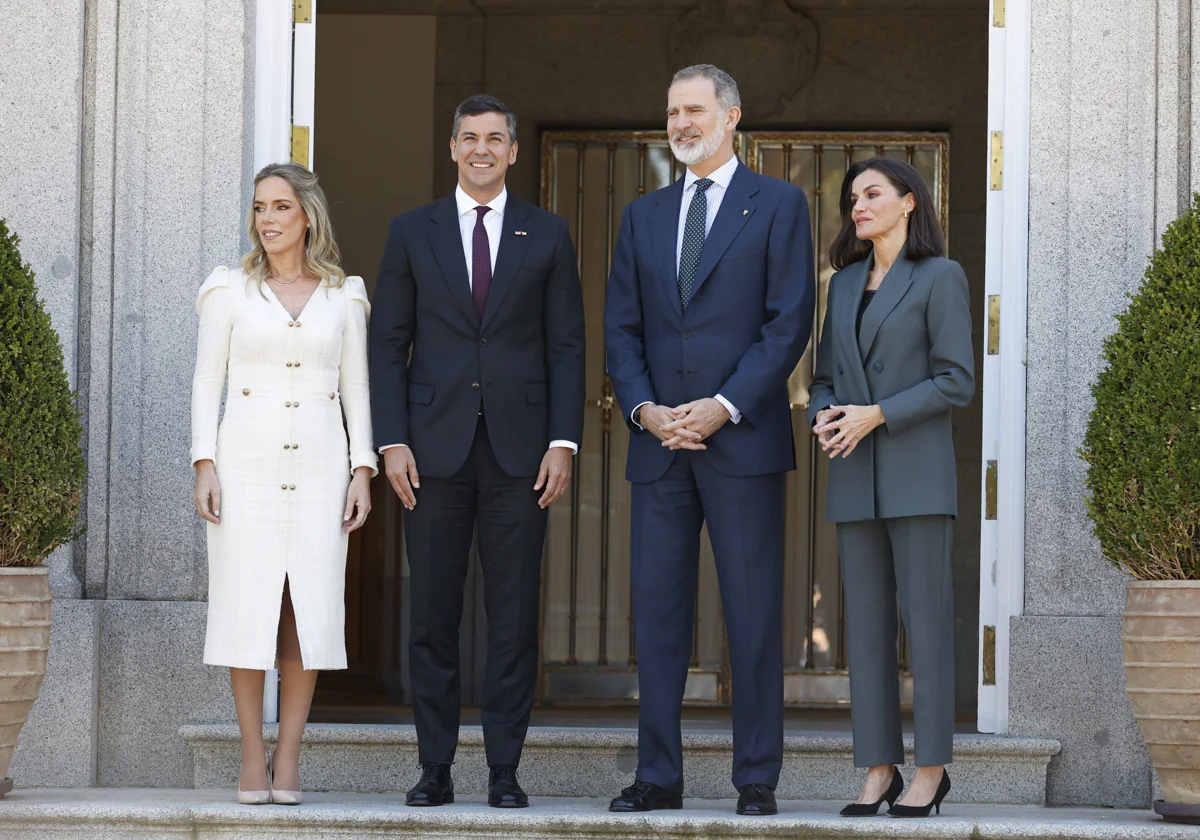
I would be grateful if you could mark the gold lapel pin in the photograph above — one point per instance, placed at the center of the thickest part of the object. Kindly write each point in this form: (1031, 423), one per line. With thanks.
(520, 233)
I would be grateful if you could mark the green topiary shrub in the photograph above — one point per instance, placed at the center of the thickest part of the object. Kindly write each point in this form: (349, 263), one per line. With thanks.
(1142, 444)
(41, 465)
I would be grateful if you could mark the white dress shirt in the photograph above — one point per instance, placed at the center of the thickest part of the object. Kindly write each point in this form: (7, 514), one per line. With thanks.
(715, 192)
(493, 221)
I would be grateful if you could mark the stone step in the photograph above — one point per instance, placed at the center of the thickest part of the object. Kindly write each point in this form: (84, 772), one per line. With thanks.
(587, 762)
(161, 813)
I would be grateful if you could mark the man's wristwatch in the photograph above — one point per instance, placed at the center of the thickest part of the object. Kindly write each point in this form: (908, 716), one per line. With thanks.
(637, 415)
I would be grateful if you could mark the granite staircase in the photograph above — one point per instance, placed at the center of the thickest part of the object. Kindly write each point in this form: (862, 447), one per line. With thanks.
(564, 761)
(355, 776)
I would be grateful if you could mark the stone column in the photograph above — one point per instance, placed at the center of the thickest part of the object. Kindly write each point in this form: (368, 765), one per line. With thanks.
(40, 142)
(129, 140)
(41, 114)
(1110, 161)
(168, 154)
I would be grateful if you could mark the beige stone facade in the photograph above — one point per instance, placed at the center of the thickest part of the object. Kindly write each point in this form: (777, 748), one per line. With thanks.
(127, 144)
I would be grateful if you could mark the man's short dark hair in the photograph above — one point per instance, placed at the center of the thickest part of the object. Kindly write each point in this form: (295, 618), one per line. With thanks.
(481, 103)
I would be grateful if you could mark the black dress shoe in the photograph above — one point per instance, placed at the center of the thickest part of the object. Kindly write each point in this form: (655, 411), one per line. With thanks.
(504, 791)
(646, 796)
(858, 809)
(756, 800)
(435, 788)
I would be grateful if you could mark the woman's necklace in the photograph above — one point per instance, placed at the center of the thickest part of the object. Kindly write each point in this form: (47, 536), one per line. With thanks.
(286, 282)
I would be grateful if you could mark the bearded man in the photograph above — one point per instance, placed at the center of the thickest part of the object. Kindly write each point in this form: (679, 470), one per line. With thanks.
(709, 308)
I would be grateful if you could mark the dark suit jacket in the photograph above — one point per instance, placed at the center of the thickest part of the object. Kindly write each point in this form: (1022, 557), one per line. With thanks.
(745, 329)
(914, 358)
(522, 365)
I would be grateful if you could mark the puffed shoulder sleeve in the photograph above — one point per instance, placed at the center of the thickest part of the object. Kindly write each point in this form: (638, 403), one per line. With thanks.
(356, 396)
(356, 290)
(215, 308)
(219, 279)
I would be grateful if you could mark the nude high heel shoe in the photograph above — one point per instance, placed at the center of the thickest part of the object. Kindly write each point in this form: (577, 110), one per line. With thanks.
(281, 797)
(255, 797)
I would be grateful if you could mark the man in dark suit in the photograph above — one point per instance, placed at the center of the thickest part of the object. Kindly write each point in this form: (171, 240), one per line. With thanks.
(483, 289)
(710, 306)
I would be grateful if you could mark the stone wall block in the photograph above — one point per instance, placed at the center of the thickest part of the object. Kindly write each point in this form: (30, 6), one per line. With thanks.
(179, 159)
(57, 746)
(1067, 682)
(152, 680)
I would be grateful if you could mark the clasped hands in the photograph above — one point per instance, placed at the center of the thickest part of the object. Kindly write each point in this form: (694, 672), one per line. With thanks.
(685, 426)
(839, 428)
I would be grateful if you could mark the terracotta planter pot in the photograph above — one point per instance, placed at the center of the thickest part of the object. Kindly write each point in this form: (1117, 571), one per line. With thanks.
(1161, 638)
(24, 643)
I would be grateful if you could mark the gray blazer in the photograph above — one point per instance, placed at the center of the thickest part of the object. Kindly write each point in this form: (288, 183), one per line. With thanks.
(914, 358)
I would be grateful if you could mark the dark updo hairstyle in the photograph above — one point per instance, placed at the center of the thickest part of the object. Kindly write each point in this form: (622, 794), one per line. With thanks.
(925, 237)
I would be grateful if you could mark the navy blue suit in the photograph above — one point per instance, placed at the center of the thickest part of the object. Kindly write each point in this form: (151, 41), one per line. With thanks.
(742, 334)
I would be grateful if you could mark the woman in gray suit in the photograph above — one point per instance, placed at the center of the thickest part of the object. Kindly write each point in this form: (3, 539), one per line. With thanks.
(895, 357)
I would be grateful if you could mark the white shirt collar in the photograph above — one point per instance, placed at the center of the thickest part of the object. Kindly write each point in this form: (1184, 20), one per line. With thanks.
(466, 204)
(720, 177)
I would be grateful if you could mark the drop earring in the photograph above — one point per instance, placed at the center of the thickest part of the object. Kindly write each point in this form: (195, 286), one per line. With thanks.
(906, 214)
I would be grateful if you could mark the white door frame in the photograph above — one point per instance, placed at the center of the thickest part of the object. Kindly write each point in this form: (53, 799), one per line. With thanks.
(285, 73)
(1002, 539)
(284, 92)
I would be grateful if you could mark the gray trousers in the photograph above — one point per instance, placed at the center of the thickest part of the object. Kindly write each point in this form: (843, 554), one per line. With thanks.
(905, 559)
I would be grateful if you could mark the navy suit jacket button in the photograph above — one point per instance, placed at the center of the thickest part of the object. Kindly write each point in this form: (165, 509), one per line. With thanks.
(840, 369)
(878, 366)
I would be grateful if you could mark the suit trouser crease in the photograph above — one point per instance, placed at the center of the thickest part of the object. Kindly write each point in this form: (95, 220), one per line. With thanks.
(906, 559)
(745, 523)
(511, 531)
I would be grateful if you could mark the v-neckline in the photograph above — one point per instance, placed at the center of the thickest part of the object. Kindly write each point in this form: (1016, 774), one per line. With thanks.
(303, 308)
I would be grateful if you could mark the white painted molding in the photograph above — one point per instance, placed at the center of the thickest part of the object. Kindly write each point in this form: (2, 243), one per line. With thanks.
(1002, 541)
(304, 79)
(272, 82)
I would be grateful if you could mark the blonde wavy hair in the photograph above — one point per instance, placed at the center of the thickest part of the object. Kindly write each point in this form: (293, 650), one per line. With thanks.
(322, 257)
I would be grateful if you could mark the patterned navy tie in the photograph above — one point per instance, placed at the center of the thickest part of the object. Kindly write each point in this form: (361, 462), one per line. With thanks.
(693, 240)
(481, 262)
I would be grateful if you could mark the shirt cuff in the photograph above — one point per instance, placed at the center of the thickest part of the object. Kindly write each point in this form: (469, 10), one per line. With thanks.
(635, 408)
(392, 446)
(566, 444)
(734, 414)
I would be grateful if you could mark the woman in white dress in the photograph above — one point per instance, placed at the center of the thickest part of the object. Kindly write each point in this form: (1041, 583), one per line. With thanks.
(278, 481)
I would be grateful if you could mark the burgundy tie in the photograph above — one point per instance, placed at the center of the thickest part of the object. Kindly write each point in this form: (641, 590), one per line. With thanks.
(481, 262)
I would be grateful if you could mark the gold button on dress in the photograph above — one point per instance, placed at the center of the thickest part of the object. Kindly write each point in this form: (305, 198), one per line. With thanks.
(266, 537)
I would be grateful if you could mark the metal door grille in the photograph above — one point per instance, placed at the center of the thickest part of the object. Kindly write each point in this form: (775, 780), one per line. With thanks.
(588, 650)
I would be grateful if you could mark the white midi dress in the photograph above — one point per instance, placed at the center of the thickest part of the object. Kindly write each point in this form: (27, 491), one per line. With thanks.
(283, 461)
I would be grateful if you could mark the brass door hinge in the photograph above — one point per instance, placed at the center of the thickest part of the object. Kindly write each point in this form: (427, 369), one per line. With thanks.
(997, 160)
(989, 655)
(300, 145)
(997, 12)
(302, 11)
(993, 338)
(989, 490)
